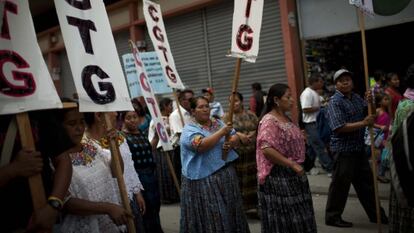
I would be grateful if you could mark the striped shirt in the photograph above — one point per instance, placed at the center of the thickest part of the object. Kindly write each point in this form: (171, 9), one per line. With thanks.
(342, 110)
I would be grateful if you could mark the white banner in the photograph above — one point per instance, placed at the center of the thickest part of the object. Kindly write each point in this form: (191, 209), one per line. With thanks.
(25, 82)
(151, 101)
(247, 22)
(156, 30)
(365, 5)
(93, 58)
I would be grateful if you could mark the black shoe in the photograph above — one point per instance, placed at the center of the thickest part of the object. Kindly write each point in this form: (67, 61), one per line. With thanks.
(339, 223)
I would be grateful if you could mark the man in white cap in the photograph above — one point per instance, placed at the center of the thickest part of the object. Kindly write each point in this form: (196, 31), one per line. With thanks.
(347, 119)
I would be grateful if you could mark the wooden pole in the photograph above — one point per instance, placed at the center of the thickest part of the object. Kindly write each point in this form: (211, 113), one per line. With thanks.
(178, 107)
(35, 182)
(8, 143)
(171, 168)
(370, 112)
(116, 158)
(232, 100)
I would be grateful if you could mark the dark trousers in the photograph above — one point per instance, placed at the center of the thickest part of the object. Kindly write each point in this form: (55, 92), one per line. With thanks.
(151, 195)
(177, 163)
(350, 168)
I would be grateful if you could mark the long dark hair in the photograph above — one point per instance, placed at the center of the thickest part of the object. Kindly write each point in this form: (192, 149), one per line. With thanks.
(277, 90)
(164, 102)
(54, 139)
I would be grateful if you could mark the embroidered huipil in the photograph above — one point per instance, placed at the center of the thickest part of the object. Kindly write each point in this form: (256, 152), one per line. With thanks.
(286, 138)
(197, 165)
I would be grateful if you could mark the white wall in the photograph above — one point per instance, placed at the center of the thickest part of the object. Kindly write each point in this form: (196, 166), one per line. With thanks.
(323, 18)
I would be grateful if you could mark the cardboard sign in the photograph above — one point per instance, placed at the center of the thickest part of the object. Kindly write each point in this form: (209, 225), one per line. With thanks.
(151, 102)
(131, 75)
(25, 82)
(93, 57)
(154, 72)
(247, 22)
(156, 30)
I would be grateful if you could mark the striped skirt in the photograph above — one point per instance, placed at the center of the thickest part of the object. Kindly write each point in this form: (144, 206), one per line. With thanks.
(212, 204)
(285, 203)
(168, 191)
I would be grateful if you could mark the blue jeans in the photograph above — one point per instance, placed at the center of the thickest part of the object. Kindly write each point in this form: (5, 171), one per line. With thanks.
(318, 146)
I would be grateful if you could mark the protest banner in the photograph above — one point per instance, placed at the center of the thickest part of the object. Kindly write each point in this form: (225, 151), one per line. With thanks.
(156, 30)
(364, 5)
(96, 70)
(247, 22)
(152, 103)
(153, 69)
(154, 73)
(93, 58)
(131, 75)
(25, 83)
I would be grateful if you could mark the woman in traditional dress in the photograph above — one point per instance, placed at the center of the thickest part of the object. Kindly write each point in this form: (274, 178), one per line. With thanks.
(168, 191)
(245, 123)
(96, 137)
(93, 204)
(401, 215)
(210, 195)
(144, 164)
(285, 200)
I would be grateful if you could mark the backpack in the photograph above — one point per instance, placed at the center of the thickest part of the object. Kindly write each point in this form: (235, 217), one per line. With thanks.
(324, 130)
(403, 159)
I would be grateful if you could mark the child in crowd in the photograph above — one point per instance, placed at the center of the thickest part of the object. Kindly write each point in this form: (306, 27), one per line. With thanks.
(382, 122)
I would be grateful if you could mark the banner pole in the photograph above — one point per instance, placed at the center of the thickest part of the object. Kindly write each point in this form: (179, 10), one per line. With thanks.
(35, 182)
(173, 175)
(116, 157)
(178, 107)
(370, 112)
(236, 79)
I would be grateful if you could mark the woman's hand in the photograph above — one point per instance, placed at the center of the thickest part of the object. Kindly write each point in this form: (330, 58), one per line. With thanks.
(42, 220)
(244, 139)
(112, 134)
(141, 202)
(297, 168)
(117, 213)
(368, 96)
(27, 163)
(225, 130)
(226, 146)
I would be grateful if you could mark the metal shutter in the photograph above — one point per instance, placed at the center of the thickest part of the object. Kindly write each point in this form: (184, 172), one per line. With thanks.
(270, 64)
(187, 41)
(188, 44)
(122, 45)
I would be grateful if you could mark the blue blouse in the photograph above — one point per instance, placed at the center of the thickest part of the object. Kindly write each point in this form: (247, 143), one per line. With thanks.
(198, 165)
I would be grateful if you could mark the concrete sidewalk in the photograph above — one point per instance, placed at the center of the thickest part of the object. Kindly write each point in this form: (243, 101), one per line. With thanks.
(319, 184)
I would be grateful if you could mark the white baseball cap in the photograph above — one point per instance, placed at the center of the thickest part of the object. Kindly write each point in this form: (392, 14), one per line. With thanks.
(341, 72)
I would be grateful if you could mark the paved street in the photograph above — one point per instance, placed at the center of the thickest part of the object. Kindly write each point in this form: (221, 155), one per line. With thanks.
(170, 214)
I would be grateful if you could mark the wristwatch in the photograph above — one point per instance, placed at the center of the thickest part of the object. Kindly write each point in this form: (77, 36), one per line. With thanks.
(55, 204)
